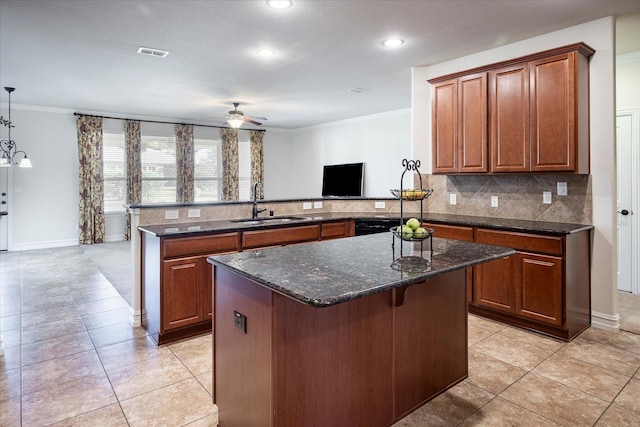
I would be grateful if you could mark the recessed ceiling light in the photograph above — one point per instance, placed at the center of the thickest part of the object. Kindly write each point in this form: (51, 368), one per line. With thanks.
(266, 52)
(153, 52)
(279, 4)
(358, 90)
(392, 42)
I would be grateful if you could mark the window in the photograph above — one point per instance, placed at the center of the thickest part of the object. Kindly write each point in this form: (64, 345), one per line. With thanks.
(158, 169)
(113, 167)
(244, 173)
(207, 170)
(159, 172)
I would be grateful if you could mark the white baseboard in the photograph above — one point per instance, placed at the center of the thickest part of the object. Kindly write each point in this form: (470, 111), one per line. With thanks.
(43, 245)
(114, 238)
(605, 321)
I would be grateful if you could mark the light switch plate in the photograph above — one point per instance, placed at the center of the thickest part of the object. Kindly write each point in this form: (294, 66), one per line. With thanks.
(494, 201)
(307, 205)
(546, 197)
(380, 205)
(171, 214)
(562, 189)
(452, 199)
(193, 213)
(317, 205)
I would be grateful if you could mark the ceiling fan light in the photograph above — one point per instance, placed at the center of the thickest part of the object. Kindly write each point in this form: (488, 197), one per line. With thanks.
(235, 122)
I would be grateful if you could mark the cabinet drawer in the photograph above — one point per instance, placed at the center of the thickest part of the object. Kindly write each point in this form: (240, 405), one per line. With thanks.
(227, 242)
(334, 230)
(280, 236)
(520, 241)
(453, 232)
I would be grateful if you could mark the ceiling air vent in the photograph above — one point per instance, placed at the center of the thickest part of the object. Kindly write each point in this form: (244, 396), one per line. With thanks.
(153, 52)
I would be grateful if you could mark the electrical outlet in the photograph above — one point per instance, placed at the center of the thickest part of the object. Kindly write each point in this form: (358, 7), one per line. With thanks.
(380, 205)
(317, 205)
(546, 197)
(307, 205)
(171, 214)
(452, 199)
(562, 189)
(193, 213)
(494, 201)
(240, 322)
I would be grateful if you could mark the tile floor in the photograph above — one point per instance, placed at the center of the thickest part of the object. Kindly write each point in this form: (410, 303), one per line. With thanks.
(71, 359)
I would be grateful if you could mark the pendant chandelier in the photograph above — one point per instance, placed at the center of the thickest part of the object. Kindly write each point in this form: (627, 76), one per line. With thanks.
(8, 148)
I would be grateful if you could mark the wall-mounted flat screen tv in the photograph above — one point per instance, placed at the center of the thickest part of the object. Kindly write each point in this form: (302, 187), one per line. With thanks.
(345, 180)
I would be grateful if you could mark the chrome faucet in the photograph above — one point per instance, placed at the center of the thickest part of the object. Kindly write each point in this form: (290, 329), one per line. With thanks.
(256, 211)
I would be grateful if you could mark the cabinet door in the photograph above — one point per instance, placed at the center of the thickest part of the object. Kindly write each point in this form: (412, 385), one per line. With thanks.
(181, 296)
(444, 110)
(472, 123)
(539, 287)
(553, 113)
(494, 284)
(509, 95)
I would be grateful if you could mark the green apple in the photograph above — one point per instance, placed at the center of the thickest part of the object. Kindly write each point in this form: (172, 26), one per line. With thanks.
(420, 233)
(413, 223)
(406, 232)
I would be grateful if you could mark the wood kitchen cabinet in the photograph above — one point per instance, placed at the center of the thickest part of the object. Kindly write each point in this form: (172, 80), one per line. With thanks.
(459, 125)
(177, 283)
(538, 109)
(509, 98)
(544, 287)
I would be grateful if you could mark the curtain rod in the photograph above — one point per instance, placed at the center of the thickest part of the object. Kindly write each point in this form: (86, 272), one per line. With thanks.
(159, 121)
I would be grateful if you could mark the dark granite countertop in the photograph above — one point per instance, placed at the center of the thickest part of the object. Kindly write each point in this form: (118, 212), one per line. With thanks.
(506, 224)
(331, 272)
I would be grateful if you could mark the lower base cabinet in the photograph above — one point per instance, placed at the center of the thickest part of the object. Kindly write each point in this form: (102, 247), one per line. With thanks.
(177, 279)
(545, 286)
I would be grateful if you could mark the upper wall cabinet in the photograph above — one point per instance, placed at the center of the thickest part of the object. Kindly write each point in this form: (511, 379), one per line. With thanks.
(460, 125)
(538, 115)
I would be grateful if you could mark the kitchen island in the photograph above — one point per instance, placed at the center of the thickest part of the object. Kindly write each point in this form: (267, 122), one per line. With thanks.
(339, 332)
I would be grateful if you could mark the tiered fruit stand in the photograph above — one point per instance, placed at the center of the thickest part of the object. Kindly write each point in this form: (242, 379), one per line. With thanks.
(403, 195)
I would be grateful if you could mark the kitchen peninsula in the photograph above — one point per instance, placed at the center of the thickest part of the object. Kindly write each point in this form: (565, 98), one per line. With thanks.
(338, 332)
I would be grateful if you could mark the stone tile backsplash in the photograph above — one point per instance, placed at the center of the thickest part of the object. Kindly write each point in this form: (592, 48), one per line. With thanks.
(519, 196)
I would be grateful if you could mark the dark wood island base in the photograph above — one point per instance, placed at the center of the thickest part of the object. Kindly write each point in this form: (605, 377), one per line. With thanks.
(369, 361)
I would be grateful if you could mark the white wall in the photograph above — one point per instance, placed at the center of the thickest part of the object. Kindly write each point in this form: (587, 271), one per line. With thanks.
(381, 141)
(43, 205)
(599, 35)
(628, 81)
(277, 163)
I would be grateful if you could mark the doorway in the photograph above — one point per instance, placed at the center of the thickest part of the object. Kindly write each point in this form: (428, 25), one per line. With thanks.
(628, 184)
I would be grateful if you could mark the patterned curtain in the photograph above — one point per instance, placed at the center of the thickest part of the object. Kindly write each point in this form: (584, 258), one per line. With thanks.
(257, 158)
(134, 167)
(91, 179)
(230, 171)
(184, 163)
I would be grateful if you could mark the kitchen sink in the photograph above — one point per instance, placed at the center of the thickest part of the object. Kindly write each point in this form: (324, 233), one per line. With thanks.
(266, 219)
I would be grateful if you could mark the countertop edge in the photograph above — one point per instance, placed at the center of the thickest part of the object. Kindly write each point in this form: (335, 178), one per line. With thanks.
(319, 303)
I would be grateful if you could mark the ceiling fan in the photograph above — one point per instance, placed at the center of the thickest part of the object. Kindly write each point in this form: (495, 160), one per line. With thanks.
(235, 117)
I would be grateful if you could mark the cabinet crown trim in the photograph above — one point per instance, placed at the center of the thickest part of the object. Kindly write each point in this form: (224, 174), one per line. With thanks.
(581, 48)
